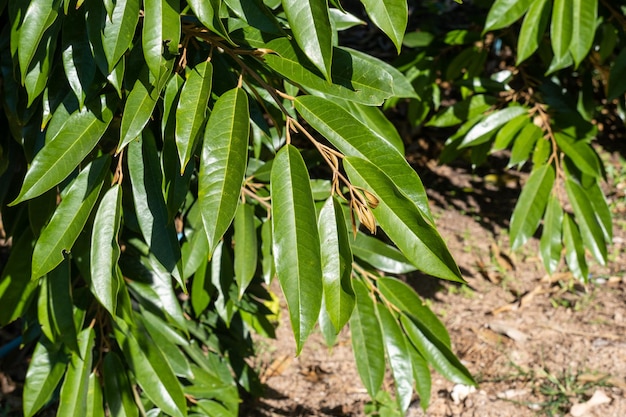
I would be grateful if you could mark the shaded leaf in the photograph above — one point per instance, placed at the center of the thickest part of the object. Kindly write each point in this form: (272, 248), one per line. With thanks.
(161, 34)
(380, 255)
(245, 246)
(60, 305)
(117, 389)
(78, 60)
(46, 368)
(208, 12)
(73, 398)
(40, 15)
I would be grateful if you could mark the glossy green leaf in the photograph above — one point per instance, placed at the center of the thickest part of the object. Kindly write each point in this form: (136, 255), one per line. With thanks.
(574, 250)
(16, 287)
(208, 13)
(105, 250)
(73, 398)
(40, 15)
(531, 205)
(172, 353)
(78, 60)
(462, 110)
(344, 20)
(336, 263)
(267, 260)
(486, 128)
(223, 163)
(326, 326)
(117, 389)
(69, 217)
(95, 407)
(601, 209)
(390, 16)
(551, 243)
(561, 33)
(296, 242)
(505, 12)
(524, 144)
(376, 120)
(367, 340)
(397, 349)
(584, 15)
(171, 96)
(151, 369)
(119, 30)
(46, 368)
(245, 246)
(507, 133)
(60, 305)
(590, 229)
(161, 33)
(581, 153)
(533, 29)
(421, 375)
(191, 110)
(353, 138)
(256, 14)
(310, 23)
(405, 225)
(380, 255)
(145, 176)
(66, 149)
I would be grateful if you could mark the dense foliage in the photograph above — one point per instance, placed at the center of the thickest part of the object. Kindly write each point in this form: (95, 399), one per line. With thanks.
(162, 161)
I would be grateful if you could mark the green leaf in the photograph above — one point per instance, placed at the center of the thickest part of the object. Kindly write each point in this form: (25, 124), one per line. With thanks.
(397, 350)
(245, 246)
(504, 13)
(353, 138)
(617, 77)
(601, 209)
(191, 110)
(584, 16)
(405, 225)
(367, 340)
(574, 250)
(119, 30)
(531, 205)
(336, 263)
(145, 177)
(486, 128)
(105, 251)
(581, 153)
(561, 32)
(161, 34)
(509, 131)
(69, 217)
(550, 244)
(391, 16)
(590, 229)
(353, 78)
(60, 305)
(533, 29)
(524, 144)
(40, 15)
(78, 60)
(223, 163)
(296, 242)
(376, 120)
(73, 398)
(95, 407)
(47, 367)
(65, 150)
(117, 389)
(421, 375)
(310, 23)
(380, 255)
(151, 369)
(172, 353)
(208, 13)
(462, 110)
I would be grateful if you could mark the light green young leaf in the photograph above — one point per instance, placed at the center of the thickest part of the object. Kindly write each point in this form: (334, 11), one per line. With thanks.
(191, 110)
(161, 33)
(69, 217)
(73, 398)
(336, 263)
(353, 138)
(533, 29)
(551, 243)
(561, 32)
(117, 389)
(105, 251)
(296, 242)
(151, 369)
(145, 178)
(390, 16)
(574, 250)
(584, 16)
(397, 348)
(381, 256)
(40, 15)
(531, 205)
(367, 340)
(310, 23)
(119, 30)
(223, 163)
(47, 367)
(590, 229)
(405, 225)
(67, 148)
(486, 128)
(245, 246)
(504, 13)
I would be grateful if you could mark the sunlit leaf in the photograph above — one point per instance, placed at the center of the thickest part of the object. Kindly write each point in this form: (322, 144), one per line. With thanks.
(574, 250)
(47, 367)
(551, 243)
(390, 16)
(73, 398)
(245, 246)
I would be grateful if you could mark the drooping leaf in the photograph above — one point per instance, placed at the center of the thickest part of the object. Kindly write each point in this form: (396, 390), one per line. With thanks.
(65, 150)
(245, 246)
(484, 130)
(574, 250)
(161, 34)
(73, 398)
(405, 225)
(601, 210)
(223, 163)
(336, 263)
(47, 367)
(145, 176)
(296, 242)
(191, 110)
(117, 389)
(551, 243)
(105, 250)
(40, 15)
(60, 305)
(421, 375)
(561, 33)
(531, 204)
(380, 255)
(617, 77)
(119, 30)
(581, 153)
(367, 340)
(310, 23)
(376, 120)
(505, 12)
(584, 15)
(524, 144)
(462, 110)
(208, 13)
(78, 60)
(533, 29)
(95, 407)
(390, 16)
(69, 217)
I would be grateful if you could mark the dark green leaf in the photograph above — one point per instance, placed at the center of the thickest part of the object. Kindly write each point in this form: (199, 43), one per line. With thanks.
(380, 255)
(561, 33)
(161, 34)
(617, 76)
(421, 375)
(73, 398)
(60, 305)
(40, 15)
(47, 367)
(245, 246)
(390, 16)
(78, 61)
(208, 12)
(117, 389)
(16, 287)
